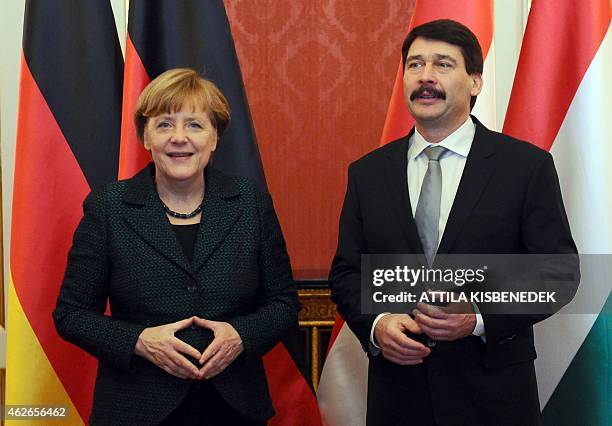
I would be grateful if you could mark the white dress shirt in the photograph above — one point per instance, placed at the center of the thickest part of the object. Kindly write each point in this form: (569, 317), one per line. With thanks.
(452, 163)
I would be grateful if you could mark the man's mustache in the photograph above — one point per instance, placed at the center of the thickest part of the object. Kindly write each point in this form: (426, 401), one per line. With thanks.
(430, 89)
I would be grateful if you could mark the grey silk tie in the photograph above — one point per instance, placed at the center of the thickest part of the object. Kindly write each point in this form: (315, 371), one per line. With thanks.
(427, 215)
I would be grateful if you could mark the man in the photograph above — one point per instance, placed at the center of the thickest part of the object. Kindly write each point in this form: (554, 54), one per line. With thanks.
(450, 186)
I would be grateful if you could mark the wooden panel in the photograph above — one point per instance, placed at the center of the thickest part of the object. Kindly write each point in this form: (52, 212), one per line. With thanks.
(316, 320)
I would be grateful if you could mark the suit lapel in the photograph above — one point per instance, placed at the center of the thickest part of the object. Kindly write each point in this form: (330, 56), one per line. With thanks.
(476, 175)
(219, 215)
(146, 216)
(397, 189)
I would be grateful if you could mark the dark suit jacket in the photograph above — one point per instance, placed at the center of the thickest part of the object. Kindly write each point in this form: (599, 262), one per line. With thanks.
(126, 252)
(508, 201)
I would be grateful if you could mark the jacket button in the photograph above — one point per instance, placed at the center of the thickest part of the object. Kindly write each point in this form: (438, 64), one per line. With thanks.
(431, 342)
(191, 289)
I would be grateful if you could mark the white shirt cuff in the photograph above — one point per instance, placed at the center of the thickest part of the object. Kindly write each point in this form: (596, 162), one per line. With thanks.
(479, 329)
(372, 339)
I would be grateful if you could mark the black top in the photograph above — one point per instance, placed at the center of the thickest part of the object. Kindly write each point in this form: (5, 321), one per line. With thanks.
(186, 235)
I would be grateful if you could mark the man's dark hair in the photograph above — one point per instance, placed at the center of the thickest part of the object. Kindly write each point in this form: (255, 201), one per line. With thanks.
(451, 32)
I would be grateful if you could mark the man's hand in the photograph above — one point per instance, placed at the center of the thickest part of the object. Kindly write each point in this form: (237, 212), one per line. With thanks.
(159, 346)
(222, 351)
(452, 322)
(395, 345)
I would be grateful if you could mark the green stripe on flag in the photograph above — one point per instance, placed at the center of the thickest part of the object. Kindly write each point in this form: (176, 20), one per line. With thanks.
(583, 396)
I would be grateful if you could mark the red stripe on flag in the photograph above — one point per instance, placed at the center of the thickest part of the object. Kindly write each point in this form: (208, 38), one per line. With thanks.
(560, 42)
(398, 121)
(132, 155)
(49, 188)
(338, 324)
(477, 15)
(287, 386)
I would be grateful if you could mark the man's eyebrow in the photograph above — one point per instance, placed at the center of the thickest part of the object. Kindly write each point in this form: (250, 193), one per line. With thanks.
(413, 57)
(440, 57)
(437, 56)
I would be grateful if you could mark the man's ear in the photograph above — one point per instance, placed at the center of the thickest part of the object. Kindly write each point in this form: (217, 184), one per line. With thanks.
(476, 84)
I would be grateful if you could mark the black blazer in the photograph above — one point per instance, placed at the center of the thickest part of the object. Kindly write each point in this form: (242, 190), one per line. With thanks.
(125, 252)
(508, 201)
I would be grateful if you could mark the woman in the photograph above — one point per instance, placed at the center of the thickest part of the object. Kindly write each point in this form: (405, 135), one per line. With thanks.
(194, 268)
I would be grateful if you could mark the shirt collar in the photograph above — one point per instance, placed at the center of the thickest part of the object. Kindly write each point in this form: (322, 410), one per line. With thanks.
(459, 142)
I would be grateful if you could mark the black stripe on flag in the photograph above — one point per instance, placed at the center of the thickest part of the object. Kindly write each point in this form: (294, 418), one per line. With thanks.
(196, 34)
(73, 53)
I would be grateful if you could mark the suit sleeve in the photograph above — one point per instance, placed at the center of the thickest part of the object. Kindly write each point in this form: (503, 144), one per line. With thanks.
(79, 314)
(278, 306)
(544, 231)
(345, 275)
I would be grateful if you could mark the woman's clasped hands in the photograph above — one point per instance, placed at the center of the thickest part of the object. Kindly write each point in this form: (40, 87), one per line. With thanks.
(160, 346)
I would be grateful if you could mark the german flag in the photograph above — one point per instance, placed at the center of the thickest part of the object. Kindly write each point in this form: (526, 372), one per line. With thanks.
(165, 34)
(67, 142)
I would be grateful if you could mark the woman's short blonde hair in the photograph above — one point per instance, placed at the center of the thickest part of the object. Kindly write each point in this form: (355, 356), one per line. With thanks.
(172, 90)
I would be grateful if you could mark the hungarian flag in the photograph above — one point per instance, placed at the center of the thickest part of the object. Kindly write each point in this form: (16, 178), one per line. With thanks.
(342, 390)
(67, 142)
(165, 34)
(477, 15)
(561, 101)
